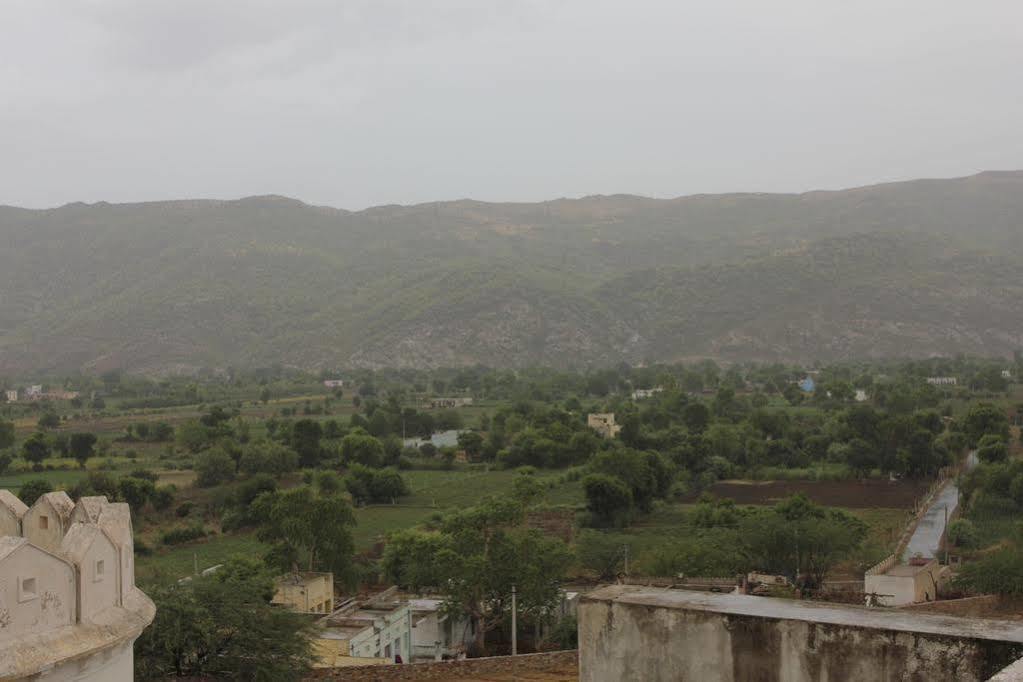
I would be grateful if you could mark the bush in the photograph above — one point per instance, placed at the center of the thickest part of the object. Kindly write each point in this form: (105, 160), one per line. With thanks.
(213, 467)
(32, 490)
(962, 533)
(163, 497)
(141, 548)
(184, 509)
(177, 536)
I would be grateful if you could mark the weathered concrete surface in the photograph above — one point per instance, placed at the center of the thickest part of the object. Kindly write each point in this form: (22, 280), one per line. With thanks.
(1014, 673)
(99, 650)
(630, 633)
(560, 665)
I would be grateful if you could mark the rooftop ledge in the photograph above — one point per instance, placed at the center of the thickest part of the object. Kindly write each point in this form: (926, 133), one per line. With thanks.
(38, 653)
(815, 612)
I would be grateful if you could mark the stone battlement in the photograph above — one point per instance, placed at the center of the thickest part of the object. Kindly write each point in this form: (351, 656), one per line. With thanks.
(68, 601)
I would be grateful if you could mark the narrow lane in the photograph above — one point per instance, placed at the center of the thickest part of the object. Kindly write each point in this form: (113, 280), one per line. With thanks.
(926, 539)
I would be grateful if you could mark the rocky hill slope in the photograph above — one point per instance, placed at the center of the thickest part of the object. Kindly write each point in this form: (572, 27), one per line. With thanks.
(914, 268)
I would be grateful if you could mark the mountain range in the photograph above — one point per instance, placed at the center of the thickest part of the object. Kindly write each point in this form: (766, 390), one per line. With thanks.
(916, 268)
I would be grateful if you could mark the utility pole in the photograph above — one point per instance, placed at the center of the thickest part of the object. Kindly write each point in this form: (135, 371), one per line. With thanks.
(946, 536)
(515, 624)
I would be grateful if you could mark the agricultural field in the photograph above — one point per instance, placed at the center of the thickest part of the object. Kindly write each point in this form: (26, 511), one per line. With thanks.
(850, 494)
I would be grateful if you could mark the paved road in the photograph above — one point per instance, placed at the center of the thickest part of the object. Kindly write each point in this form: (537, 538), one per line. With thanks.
(926, 539)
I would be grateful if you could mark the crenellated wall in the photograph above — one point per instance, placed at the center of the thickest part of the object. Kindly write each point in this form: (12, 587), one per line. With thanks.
(69, 608)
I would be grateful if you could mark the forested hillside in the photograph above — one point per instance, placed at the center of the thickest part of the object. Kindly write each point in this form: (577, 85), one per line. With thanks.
(915, 268)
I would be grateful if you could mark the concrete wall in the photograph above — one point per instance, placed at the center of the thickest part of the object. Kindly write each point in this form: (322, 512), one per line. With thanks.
(561, 662)
(115, 663)
(50, 605)
(635, 634)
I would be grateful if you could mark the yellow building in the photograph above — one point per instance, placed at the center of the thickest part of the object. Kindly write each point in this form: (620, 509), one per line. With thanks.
(306, 592)
(604, 424)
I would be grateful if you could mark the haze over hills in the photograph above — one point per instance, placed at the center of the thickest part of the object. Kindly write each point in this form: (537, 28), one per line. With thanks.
(913, 268)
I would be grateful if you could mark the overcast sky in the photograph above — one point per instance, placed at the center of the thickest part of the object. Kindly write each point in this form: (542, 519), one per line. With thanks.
(354, 103)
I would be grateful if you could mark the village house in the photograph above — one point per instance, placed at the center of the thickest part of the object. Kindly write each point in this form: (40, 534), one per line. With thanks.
(334, 383)
(11, 395)
(34, 392)
(604, 424)
(437, 635)
(942, 381)
(448, 403)
(912, 583)
(305, 592)
(378, 630)
(644, 393)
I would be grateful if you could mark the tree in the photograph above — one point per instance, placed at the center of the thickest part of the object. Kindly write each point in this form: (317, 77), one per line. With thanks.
(32, 490)
(1000, 572)
(799, 539)
(861, 457)
(81, 447)
(49, 420)
(135, 491)
(35, 449)
(223, 626)
(193, 436)
(362, 448)
(472, 443)
(601, 553)
(267, 457)
(5, 462)
(608, 498)
(213, 467)
(6, 434)
(992, 449)
(984, 419)
(315, 529)
(305, 440)
(478, 554)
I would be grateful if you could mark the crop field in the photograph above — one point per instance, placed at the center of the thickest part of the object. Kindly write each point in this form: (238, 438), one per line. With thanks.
(852, 494)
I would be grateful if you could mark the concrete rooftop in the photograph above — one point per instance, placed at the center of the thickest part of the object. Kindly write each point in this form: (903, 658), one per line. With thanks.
(817, 612)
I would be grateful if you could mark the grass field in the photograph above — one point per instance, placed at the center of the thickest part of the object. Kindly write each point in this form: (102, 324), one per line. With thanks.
(179, 562)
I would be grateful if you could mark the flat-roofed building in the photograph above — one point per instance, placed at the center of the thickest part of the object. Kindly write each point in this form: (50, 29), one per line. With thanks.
(305, 592)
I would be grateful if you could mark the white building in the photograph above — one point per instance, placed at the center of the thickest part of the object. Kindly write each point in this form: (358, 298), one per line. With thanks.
(378, 630)
(912, 583)
(437, 635)
(942, 381)
(69, 608)
(644, 393)
(34, 392)
(11, 395)
(333, 383)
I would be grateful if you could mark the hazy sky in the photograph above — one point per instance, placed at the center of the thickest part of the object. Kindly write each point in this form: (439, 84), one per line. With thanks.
(354, 103)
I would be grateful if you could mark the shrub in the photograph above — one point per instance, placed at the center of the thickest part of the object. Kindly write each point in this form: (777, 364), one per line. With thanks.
(177, 536)
(184, 509)
(213, 467)
(962, 533)
(163, 497)
(32, 490)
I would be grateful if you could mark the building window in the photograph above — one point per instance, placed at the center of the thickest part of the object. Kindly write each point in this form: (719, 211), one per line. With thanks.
(27, 589)
(101, 570)
(44, 522)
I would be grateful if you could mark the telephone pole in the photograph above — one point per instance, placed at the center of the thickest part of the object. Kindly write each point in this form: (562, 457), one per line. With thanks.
(515, 634)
